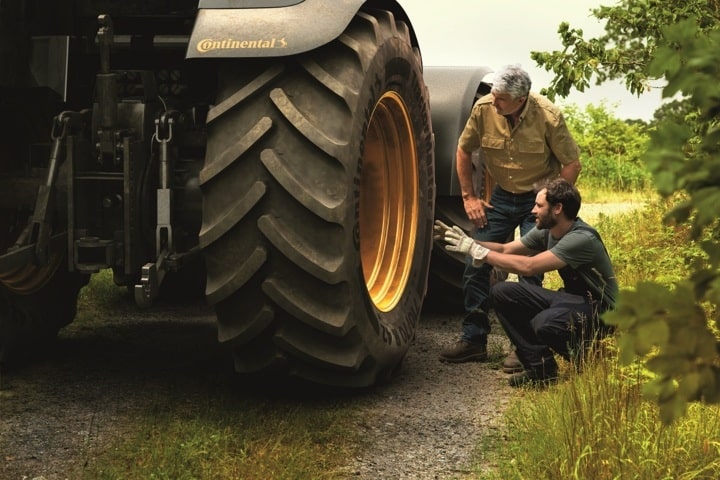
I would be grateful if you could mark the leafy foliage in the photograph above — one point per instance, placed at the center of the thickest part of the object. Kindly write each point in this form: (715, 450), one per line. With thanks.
(673, 327)
(655, 315)
(627, 47)
(611, 149)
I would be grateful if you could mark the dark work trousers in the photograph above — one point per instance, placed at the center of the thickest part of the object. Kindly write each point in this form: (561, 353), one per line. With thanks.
(539, 322)
(511, 211)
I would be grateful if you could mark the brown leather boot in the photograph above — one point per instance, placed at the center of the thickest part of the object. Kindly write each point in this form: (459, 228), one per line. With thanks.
(512, 364)
(464, 351)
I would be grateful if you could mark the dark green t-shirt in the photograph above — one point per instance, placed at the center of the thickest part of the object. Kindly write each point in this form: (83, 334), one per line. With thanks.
(589, 271)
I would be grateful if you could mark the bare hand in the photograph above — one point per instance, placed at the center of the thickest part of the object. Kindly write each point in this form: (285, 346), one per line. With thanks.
(475, 210)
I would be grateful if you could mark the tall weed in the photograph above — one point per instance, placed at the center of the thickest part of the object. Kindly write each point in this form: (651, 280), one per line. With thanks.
(642, 247)
(598, 426)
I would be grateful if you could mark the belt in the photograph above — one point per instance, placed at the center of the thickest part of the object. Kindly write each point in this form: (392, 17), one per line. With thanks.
(521, 194)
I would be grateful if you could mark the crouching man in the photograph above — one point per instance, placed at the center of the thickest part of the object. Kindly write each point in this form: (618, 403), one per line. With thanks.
(540, 322)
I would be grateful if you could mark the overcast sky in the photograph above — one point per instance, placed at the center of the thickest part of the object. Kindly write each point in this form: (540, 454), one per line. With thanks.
(501, 32)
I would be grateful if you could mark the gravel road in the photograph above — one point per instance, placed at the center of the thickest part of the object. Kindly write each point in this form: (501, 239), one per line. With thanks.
(59, 412)
(427, 424)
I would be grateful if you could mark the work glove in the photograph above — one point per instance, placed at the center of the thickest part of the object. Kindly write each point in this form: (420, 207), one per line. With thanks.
(439, 230)
(458, 241)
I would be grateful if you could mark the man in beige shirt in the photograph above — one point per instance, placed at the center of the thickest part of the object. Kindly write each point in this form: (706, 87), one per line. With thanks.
(524, 140)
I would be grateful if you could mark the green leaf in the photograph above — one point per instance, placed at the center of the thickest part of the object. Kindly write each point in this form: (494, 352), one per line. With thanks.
(626, 345)
(650, 334)
(661, 388)
(689, 386)
(667, 365)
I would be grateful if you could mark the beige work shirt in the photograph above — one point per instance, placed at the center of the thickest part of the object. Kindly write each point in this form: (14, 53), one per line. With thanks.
(535, 149)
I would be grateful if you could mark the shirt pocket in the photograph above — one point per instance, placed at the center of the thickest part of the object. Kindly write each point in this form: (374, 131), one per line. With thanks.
(493, 143)
(532, 147)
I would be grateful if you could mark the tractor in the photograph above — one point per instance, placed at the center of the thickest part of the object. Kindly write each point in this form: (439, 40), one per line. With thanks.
(282, 159)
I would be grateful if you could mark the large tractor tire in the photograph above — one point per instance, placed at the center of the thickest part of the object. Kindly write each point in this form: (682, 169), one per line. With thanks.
(318, 199)
(35, 302)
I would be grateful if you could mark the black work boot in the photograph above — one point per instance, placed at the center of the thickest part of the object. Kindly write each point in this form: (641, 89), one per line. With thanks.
(464, 351)
(539, 376)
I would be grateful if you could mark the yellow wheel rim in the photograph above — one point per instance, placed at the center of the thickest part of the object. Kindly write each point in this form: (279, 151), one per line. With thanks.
(388, 202)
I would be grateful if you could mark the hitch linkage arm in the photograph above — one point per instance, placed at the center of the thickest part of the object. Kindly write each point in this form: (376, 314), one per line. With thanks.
(39, 228)
(152, 274)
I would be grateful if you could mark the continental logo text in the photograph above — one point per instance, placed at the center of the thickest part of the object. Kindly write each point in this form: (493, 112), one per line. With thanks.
(209, 44)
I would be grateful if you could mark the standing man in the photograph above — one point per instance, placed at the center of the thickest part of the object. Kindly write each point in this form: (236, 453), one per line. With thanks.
(524, 139)
(538, 321)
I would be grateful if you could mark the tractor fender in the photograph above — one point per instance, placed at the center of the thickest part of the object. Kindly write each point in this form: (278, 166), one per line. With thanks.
(453, 92)
(279, 28)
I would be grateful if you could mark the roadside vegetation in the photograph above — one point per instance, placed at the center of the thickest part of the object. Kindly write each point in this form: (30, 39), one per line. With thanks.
(647, 405)
(599, 424)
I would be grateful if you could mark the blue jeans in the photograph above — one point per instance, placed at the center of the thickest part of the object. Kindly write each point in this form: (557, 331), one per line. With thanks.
(511, 211)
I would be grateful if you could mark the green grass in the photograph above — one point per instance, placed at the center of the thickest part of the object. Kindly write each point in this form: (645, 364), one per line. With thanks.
(604, 195)
(598, 425)
(100, 295)
(643, 248)
(229, 438)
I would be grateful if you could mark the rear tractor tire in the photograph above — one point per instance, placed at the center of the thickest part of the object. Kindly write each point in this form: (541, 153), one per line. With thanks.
(35, 303)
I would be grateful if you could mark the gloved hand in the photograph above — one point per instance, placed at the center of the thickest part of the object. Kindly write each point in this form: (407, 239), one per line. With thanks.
(439, 230)
(458, 241)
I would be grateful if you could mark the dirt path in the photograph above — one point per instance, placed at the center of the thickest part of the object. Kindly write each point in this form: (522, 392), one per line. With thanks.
(428, 423)
(59, 413)
(591, 211)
